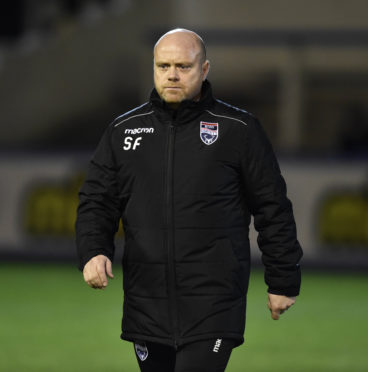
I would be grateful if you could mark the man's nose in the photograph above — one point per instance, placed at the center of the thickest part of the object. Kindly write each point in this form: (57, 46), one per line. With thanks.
(173, 74)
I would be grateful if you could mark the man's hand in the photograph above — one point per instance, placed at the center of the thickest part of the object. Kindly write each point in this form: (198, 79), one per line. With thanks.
(279, 304)
(95, 271)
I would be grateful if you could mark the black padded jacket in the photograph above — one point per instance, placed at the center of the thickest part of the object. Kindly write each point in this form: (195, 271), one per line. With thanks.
(185, 183)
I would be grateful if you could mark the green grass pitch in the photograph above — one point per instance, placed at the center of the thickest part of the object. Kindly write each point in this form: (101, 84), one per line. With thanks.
(50, 320)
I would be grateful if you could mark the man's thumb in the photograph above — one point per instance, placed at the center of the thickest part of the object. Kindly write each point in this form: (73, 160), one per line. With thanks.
(275, 314)
(109, 269)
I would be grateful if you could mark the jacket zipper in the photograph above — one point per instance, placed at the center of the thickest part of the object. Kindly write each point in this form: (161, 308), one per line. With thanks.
(170, 234)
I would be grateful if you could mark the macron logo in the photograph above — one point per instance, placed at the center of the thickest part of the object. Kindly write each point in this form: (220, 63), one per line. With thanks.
(133, 143)
(216, 348)
(139, 130)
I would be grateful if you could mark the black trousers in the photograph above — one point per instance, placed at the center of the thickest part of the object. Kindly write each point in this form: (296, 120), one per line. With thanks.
(201, 356)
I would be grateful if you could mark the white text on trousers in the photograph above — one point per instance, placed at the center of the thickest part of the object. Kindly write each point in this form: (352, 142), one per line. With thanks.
(217, 345)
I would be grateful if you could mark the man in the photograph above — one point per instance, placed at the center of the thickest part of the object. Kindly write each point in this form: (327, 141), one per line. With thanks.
(185, 172)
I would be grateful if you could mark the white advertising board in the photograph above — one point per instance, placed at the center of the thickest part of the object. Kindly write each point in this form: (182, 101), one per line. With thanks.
(38, 198)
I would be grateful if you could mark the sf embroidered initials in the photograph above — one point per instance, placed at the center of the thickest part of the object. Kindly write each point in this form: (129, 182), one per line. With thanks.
(129, 144)
(216, 348)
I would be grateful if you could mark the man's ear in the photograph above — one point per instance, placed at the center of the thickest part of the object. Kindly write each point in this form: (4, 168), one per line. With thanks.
(205, 69)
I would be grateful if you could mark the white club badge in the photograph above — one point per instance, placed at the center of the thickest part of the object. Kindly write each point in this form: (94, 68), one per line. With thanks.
(141, 351)
(209, 132)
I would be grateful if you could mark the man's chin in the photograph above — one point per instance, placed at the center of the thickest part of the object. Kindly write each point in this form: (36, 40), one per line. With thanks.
(172, 100)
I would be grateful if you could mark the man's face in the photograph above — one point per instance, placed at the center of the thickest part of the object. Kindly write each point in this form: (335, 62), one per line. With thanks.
(178, 69)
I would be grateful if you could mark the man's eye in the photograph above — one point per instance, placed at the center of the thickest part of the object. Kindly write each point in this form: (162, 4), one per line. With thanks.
(185, 67)
(162, 67)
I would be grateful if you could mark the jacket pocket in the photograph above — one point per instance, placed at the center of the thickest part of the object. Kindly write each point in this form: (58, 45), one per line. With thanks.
(218, 274)
(146, 280)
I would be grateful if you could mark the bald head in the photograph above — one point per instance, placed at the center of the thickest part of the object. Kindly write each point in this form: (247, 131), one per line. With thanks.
(179, 67)
(183, 35)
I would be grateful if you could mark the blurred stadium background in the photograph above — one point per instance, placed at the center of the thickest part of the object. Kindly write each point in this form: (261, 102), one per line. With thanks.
(68, 68)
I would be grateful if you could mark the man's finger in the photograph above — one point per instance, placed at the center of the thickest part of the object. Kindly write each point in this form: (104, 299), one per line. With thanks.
(109, 269)
(94, 283)
(102, 279)
(86, 277)
(275, 314)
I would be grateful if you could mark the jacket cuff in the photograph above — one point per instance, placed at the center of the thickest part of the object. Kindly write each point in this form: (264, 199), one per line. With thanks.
(289, 292)
(83, 260)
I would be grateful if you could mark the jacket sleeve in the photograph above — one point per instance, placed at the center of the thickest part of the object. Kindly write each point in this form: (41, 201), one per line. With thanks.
(99, 210)
(265, 196)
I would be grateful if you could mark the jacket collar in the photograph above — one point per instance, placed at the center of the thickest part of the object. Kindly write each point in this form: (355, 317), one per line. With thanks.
(187, 111)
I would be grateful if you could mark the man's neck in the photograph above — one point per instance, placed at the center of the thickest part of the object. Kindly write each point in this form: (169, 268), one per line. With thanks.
(175, 105)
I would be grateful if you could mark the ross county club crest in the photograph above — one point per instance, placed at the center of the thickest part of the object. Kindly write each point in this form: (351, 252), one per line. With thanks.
(209, 132)
(141, 351)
